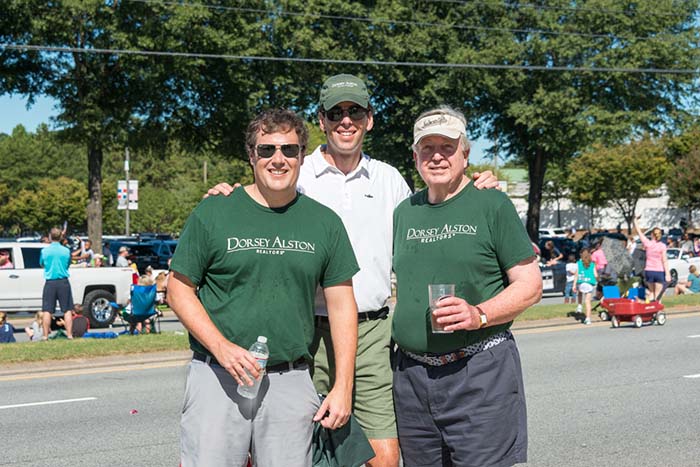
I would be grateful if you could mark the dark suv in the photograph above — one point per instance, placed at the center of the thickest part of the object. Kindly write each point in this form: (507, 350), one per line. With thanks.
(150, 253)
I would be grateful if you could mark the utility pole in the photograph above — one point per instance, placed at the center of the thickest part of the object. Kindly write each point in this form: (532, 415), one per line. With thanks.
(128, 193)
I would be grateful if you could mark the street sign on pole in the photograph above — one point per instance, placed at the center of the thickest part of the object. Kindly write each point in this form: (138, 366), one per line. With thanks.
(133, 195)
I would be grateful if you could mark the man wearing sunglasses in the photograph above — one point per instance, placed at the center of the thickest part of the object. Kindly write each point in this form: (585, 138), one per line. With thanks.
(248, 266)
(363, 192)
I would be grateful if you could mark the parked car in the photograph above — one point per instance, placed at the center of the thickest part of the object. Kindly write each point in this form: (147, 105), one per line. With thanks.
(553, 278)
(678, 264)
(565, 245)
(21, 287)
(150, 253)
(558, 232)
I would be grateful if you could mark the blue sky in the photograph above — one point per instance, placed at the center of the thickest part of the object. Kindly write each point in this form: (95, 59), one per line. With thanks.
(13, 112)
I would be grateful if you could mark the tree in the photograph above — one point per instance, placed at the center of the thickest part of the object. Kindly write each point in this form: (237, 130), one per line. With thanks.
(618, 176)
(50, 203)
(555, 186)
(539, 116)
(684, 182)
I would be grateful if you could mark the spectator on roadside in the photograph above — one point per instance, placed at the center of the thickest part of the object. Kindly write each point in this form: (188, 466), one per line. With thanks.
(692, 285)
(7, 331)
(656, 270)
(45, 239)
(97, 260)
(550, 254)
(107, 254)
(571, 274)
(56, 261)
(586, 282)
(5, 262)
(122, 259)
(84, 258)
(149, 271)
(696, 246)
(161, 284)
(598, 257)
(686, 245)
(35, 331)
(81, 324)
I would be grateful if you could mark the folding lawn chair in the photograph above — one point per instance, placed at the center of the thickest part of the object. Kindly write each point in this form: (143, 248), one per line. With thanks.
(142, 307)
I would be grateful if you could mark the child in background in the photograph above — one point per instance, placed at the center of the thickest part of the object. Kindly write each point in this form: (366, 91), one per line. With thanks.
(571, 273)
(7, 331)
(586, 282)
(35, 332)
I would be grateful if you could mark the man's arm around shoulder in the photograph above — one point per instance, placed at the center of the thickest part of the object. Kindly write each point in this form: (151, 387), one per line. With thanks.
(183, 300)
(342, 314)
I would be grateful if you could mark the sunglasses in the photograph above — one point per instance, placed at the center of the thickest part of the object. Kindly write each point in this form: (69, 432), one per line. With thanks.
(268, 150)
(355, 112)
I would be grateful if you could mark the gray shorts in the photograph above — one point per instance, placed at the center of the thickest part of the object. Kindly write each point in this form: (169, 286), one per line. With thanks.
(57, 290)
(219, 427)
(466, 413)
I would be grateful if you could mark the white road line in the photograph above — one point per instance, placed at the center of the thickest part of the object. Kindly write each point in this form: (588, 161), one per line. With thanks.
(694, 336)
(31, 404)
(692, 376)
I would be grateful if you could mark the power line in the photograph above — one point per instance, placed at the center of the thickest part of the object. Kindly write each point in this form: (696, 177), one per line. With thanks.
(44, 48)
(389, 20)
(533, 6)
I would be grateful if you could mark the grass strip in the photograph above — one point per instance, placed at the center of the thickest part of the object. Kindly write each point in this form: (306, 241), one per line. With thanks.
(560, 310)
(64, 349)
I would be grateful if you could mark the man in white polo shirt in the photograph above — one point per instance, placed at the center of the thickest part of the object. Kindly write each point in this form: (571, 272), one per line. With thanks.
(363, 192)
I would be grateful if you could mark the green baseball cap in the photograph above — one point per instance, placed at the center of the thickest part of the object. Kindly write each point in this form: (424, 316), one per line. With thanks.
(341, 88)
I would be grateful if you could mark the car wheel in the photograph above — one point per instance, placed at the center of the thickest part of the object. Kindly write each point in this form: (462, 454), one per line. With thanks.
(97, 309)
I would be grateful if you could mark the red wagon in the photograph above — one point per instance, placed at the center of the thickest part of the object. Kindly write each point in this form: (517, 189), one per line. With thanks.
(637, 312)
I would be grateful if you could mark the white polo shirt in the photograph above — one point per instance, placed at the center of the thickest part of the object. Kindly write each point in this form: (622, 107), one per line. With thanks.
(365, 200)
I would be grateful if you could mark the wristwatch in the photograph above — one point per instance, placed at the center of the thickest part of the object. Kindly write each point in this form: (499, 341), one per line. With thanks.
(483, 320)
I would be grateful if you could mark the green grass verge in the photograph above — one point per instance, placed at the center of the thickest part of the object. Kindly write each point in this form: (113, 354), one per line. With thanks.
(539, 312)
(63, 349)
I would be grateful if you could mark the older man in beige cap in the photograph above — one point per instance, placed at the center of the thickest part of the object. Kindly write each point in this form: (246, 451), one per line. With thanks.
(458, 390)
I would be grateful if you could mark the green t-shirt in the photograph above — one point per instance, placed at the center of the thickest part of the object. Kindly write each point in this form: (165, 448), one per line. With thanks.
(470, 240)
(257, 268)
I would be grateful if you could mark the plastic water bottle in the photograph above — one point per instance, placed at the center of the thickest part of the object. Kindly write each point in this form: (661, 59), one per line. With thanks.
(261, 353)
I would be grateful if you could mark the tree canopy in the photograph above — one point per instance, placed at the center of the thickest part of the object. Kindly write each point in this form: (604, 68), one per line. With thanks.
(542, 80)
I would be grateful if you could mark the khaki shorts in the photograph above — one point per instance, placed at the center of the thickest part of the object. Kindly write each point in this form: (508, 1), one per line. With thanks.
(373, 402)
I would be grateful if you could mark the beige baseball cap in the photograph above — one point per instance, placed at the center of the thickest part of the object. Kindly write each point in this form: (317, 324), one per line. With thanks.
(438, 124)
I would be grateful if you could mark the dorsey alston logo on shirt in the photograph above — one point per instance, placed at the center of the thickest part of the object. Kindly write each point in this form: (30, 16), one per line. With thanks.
(269, 246)
(435, 234)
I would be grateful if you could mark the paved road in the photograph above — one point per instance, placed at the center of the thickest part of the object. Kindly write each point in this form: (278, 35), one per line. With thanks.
(596, 396)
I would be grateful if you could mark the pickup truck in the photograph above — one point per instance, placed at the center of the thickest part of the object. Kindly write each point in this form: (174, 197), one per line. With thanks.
(22, 285)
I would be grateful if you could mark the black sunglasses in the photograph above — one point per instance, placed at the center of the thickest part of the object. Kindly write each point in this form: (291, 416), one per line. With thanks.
(355, 112)
(268, 150)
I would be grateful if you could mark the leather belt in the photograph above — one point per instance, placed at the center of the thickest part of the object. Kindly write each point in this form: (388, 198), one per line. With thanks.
(279, 368)
(362, 316)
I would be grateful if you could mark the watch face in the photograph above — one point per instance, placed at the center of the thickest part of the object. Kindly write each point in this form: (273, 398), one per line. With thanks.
(483, 319)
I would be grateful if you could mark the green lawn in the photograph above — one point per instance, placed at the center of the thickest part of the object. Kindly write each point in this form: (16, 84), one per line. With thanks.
(539, 312)
(63, 349)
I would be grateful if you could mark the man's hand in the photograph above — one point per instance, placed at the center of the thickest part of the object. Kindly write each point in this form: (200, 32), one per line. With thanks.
(236, 360)
(221, 189)
(485, 180)
(335, 409)
(455, 314)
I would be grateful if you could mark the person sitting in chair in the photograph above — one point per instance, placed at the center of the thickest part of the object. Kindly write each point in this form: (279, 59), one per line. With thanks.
(692, 285)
